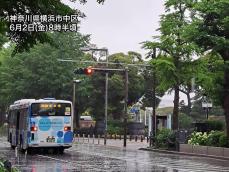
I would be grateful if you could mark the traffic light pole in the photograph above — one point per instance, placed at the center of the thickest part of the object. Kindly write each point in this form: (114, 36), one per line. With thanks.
(75, 115)
(126, 99)
(73, 104)
(125, 106)
(106, 70)
(154, 117)
(106, 101)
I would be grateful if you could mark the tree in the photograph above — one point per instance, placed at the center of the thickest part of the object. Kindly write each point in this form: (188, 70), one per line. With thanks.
(26, 40)
(38, 74)
(210, 30)
(148, 100)
(116, 88)
(174, 48)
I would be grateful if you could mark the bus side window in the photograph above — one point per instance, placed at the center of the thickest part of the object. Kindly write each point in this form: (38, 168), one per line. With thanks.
(13, 118)
(21, 121)
(23, 117)
(9, 118)
(17, 120)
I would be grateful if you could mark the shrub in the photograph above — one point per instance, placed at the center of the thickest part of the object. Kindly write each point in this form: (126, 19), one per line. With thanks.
(213, 138)
(215, 125)
(185, 121)
(5, 168)
(164, 138)
(114, 130)
(115, 127)
(198, 138)
(223, 141)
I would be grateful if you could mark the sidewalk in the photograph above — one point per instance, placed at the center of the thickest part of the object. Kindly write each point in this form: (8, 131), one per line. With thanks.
(184, 153)
(131, 145)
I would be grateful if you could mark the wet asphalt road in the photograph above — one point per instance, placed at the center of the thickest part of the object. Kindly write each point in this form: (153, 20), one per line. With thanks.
(89, 157)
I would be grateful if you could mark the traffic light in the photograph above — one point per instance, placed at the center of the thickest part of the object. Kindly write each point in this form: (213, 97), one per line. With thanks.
(79, 71)
(84, 71)
(88, 71)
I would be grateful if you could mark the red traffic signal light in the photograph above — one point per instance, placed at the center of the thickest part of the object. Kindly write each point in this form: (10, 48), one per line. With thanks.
(84, 71)
(88, 70)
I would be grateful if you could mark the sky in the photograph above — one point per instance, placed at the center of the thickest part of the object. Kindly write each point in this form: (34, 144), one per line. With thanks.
(121, 26)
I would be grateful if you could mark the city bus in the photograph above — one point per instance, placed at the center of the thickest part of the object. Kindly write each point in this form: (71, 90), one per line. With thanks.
(43, 123)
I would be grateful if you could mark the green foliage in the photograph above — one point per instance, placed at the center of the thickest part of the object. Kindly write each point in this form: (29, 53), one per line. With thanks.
(210, 27)
(214, 138)
(3, 169)
(210, 76)
(164, 66)
(175, 51)
(198, 138)
(151, 82)
(116, 87)
(26, 40)
(223, 141)
(209, 30)
(115, 130)
(199, 114)
(165, 137)
(185, 121)
(38, 74)
(115, 127)
(215, 125)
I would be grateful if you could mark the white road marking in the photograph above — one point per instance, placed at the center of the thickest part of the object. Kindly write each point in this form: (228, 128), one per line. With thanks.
(56, 159)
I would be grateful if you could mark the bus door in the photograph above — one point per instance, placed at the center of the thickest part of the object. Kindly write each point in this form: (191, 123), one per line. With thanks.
(17, 127)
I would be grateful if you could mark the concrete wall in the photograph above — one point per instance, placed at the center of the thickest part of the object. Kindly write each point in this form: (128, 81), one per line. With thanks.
(204, 150)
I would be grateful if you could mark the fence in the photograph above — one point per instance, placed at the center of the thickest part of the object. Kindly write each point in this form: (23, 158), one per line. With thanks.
(99, 138)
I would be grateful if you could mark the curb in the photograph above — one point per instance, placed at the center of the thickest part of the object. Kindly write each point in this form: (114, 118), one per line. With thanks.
(184, 153)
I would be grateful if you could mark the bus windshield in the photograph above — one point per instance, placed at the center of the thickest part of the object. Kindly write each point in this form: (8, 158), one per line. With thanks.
(51, 109)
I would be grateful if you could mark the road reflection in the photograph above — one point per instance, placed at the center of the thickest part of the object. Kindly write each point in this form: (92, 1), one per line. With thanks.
(85, 157)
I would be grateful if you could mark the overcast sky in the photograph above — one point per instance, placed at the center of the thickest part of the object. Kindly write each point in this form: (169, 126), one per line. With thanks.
(121, 25)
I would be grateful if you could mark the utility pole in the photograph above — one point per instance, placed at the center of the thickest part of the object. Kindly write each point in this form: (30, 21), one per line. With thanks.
(106, 82)
(125, 71)
(154, 117)
(75, 117)
(106, 100)
(125, 106)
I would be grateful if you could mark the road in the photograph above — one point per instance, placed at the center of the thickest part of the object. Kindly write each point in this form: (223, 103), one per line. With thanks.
(93, 157)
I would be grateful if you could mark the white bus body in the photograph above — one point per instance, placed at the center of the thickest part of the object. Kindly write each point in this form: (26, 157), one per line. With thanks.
(40, 123)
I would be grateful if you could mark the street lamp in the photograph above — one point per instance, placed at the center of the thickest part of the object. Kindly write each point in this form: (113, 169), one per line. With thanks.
(105, 50)
(75, 118)
(206, 105)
